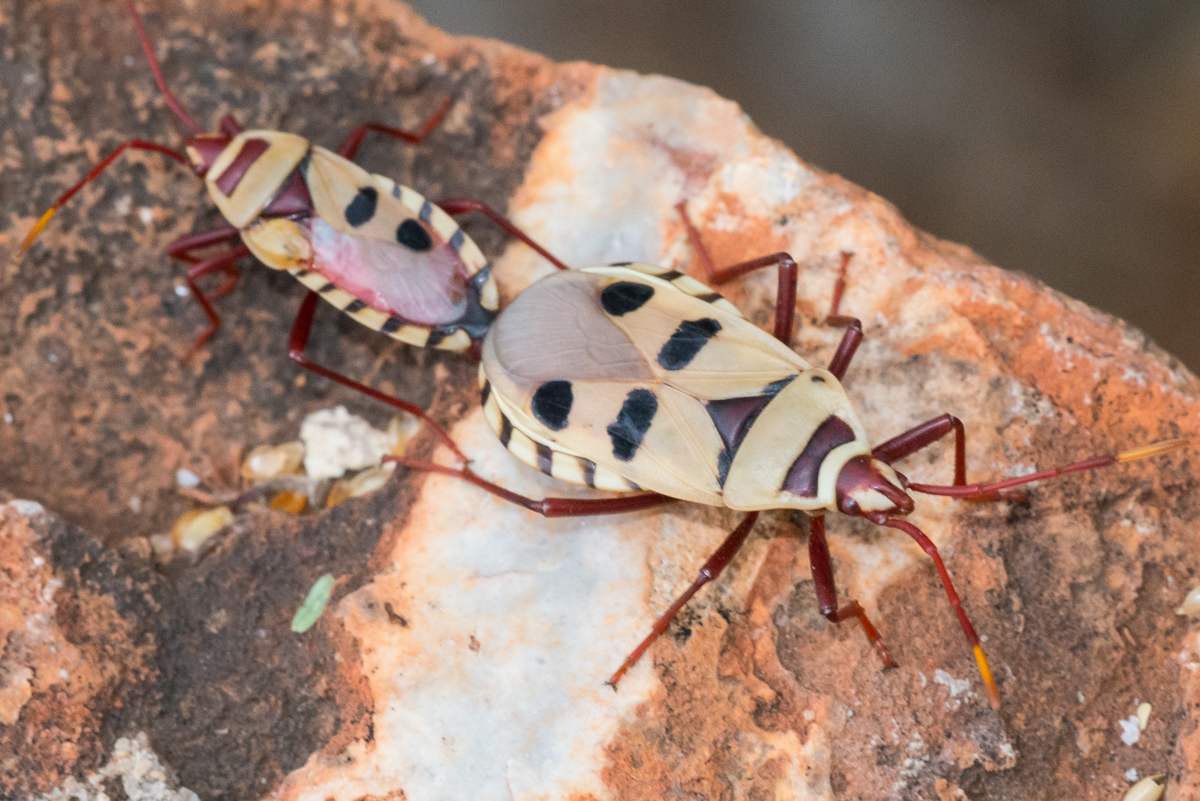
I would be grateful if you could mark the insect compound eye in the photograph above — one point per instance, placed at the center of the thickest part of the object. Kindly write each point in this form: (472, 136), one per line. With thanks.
(413, 236)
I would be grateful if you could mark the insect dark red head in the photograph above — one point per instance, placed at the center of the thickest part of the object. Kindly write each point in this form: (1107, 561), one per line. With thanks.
(866, 487)
(204, 149)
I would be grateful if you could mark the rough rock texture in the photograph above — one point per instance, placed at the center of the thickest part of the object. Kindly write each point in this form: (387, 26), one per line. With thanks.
(464, 651)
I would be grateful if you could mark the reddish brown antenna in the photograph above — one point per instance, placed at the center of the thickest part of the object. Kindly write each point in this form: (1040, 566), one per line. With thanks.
(168, 95)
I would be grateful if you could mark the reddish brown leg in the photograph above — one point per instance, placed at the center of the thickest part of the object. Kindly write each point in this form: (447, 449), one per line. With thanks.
(711, 569)
(218, 263)
(546, 507)
(349, 148)
(785, 304)
(926, 434)
(977, 491)
(462, 205)
(183, 247)
(927, 545)
(822, 572)
(789, 274)
(298, 341)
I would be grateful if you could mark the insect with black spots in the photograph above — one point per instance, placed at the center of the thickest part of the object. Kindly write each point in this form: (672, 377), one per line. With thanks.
(376, 250)
(632, 377)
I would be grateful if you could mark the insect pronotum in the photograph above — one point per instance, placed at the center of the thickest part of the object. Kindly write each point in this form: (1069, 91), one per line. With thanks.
(376, 250)
(632, 377)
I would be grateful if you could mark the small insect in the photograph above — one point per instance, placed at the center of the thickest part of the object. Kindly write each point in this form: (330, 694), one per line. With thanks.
(378, 251)
(632, 377)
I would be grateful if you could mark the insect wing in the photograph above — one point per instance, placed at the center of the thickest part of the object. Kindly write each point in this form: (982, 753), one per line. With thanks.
(371, 244)
(617, 366)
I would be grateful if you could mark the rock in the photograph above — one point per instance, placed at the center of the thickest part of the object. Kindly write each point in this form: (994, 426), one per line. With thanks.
(464, 650)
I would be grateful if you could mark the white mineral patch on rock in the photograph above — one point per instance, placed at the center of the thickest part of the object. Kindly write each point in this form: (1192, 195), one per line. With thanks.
(336, 441)
(141, 774)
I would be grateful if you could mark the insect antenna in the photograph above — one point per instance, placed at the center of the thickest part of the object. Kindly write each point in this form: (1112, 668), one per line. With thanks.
(981, 491)
(136, 144)
(168, 95)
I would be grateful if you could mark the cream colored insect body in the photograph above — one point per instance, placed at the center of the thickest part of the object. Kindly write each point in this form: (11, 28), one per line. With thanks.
(632, 377)
(378, 251)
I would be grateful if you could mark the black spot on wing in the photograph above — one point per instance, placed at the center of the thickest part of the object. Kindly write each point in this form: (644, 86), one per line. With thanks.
(353, 306)
(391, 325)
(686, 342)
(413, 236)
(625, 296)
(552, 404)
(362, 208)
(802, 477)
(632, 423)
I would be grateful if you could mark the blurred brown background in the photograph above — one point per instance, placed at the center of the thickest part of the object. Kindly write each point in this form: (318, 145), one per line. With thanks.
(1061, 139)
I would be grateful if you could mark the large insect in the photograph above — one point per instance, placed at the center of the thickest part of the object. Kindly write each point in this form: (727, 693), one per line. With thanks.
(636, 377)
(378, 251)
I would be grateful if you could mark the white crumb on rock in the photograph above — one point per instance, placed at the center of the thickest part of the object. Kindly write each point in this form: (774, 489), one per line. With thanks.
(1131, 732)
(336, 441)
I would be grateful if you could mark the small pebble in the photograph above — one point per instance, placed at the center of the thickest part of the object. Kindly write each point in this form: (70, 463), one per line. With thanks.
(1191, 603)
(365, 482)
(182, 291)
(186, 478)
(1148, 789)
(272, 461)
(290, 502)
(1143, 715)
(193, 528)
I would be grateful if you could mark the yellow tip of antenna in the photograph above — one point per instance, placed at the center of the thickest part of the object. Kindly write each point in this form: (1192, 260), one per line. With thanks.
(37, 228)
(986, 672)
(1153, 450)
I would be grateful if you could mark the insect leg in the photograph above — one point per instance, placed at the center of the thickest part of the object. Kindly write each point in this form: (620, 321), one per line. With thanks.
(789, 274)
(547, 507)
(298, 341)
(822, 572)
(927, 545)
(711, 569)
(349, 148)
(927, 433)
(219, 263)
(182, 247)
(464, 205)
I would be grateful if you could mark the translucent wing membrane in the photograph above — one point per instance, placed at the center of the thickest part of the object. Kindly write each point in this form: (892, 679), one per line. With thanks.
(427, 287)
